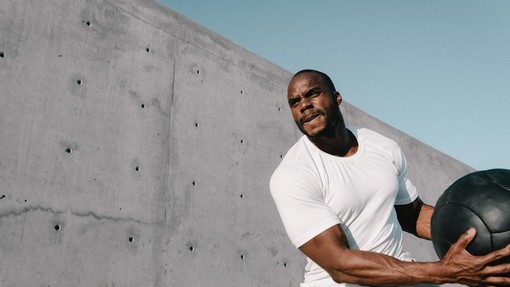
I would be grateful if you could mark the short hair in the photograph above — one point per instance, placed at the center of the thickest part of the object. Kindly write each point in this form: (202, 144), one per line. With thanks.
(324, 77)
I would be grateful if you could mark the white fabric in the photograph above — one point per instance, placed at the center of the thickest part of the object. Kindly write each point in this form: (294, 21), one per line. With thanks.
(314, 190)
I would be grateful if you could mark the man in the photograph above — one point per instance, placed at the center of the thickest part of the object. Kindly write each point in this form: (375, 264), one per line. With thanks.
(344, 198)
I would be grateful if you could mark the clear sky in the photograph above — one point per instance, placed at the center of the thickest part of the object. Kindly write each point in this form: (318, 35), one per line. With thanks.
(436, 70)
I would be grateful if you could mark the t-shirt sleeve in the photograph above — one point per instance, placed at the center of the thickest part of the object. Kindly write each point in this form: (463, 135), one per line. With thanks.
(407, 192)
(299, 201)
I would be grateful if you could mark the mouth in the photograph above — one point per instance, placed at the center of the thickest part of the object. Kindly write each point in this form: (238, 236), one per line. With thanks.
(310, 118)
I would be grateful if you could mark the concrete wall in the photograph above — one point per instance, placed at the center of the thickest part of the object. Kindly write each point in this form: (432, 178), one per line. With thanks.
(136, 149)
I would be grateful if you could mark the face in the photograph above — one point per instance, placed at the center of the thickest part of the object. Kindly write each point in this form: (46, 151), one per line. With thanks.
(313, 105)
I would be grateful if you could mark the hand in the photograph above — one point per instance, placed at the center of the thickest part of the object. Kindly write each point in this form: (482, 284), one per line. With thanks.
(476, 270)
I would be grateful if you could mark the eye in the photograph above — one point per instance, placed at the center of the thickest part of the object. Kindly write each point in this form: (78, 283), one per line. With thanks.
(293, 102)
(315, 93)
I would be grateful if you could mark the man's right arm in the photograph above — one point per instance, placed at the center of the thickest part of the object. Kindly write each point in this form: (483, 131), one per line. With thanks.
(330, 250)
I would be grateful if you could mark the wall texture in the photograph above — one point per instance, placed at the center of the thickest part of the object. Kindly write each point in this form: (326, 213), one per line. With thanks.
(136, 149)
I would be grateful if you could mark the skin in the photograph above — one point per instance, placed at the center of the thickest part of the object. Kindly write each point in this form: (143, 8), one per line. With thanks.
(314, 104)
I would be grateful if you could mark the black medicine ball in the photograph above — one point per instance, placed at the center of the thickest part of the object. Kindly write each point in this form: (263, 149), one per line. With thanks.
(480, 200)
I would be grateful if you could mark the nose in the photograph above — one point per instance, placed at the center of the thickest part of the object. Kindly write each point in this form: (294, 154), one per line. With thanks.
(305, 104)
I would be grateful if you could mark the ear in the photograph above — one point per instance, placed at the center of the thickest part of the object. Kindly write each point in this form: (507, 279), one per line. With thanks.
(338, 98)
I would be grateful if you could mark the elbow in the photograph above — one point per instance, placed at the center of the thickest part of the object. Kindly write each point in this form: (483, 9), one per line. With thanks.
(341, 274)
(338, 277)
(341, 277)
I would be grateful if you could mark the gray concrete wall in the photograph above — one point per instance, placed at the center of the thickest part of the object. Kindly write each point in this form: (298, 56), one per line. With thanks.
(136, 149)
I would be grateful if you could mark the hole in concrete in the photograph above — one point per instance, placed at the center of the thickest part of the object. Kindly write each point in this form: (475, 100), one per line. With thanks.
(57, 227)
(243, 257)
(196, 125)
(142, 106)
(148, 50)
(2, 54)
(198, 71)
(242, 195)
(191, 248)
(79, 82)
(69, 150)
(131, 239)
(194, 183)
(242, 141)
(3, 196)
(284, 264)
(137, 168)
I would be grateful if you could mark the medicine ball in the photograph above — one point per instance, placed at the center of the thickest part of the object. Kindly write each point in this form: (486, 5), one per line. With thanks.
(481, 200)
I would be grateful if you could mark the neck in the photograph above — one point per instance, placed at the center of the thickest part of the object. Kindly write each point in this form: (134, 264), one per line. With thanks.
(342, 144)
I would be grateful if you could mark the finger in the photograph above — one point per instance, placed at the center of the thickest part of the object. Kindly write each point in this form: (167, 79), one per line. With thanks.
(497, 255)
(497, 281)
(466, 238)
(496, 278)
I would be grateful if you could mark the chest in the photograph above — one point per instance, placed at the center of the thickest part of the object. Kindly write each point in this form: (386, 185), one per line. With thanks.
(361, 185)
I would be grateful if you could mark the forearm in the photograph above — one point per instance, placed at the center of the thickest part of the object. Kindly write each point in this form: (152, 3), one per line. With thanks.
(423, 222)
(330, 250)
(415, 218)
(369, 268)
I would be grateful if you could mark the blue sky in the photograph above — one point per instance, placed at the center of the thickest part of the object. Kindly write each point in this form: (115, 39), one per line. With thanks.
(436, 70)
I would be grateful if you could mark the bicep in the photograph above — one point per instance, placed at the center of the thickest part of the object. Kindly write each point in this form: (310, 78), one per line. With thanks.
(325, 248)
(301, 207)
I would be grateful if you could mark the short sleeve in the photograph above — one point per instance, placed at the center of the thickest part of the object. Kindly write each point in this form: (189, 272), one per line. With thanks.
(407, 192)
(298, 198)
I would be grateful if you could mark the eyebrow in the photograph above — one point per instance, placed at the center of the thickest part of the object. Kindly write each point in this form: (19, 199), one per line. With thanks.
(308, 93)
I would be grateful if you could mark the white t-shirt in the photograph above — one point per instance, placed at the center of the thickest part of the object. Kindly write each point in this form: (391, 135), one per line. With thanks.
(314, 190)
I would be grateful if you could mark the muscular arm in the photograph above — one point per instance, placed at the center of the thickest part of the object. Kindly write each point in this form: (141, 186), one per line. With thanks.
(415, 218)
(330, 250)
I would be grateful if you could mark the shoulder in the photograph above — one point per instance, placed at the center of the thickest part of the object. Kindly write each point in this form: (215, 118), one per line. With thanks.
(375, 137)
(378, 141)
(296, 171)
(298, 156)
(383, 145)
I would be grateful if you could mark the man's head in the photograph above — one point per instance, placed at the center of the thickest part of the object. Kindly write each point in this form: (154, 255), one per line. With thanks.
(314, 103)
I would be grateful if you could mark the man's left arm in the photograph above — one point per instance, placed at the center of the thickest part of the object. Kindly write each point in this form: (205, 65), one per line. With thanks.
(415, 218)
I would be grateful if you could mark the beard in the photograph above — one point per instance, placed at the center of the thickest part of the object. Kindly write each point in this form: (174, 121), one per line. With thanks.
(326, 129)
